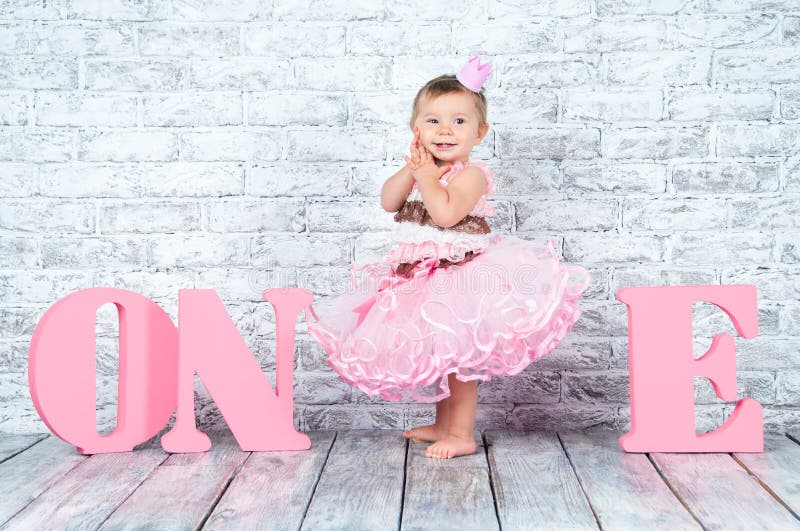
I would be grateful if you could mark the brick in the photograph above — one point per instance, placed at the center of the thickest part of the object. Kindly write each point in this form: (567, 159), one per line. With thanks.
(290, 39)
(787, 247)
(530, 387)
(203, 109)
(28, 72)
(561, 143)
(334, 145)
(41, 286)
(340, 216)
(693, 104)
(660, 143)
(613, 247)
(647, 178)
(81, 38)
(766, 212)
(41, 144)
(766, 353)
(533, 35)
(240, 73)
(614, 34)
(85, 109)
(296, 109)
(343, 73)
(90, 180)
(612, 106)
(148, 217)
(238, 10)
(523, 177)
(725, 177)
(741, 6)
(565, 8)
(187, 39)
(47, 216)
(221, 145)
(756, 30)
(135, 74)
(190, 179)
(118, 10)
(18, 252)
(14, 39)
(668, 7)
(791, 30)
(790, 319)
(679, 68)
(300, 250)
(550, 70)
(290, 179)
(673, 214)
(199, 250)
(93, 251)
(592, 387)
(236, 215)
(25, 9)
(327, 10)
(18, 180)
(773, 65)
(566, 215)
(790, 102)
(757, 140)
(523, 105)
(414, 10)
(124, 145)
(390, 39)
(787, 388)
(709, 248)
(13, 108)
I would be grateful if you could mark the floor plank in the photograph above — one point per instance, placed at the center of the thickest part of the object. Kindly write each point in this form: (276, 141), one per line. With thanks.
(720, 493)
(31, 472)
(11, 445)
(180, 493)
(448, 493)
(361, 485)
(616, 482)
(776, 469)
(273, 489)
(534, 484)
(85, 496)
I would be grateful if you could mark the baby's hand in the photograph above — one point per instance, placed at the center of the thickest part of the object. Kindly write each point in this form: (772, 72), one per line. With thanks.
(421, 162)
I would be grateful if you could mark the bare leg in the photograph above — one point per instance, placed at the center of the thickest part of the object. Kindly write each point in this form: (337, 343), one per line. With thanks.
(463, 407)
(436, 431)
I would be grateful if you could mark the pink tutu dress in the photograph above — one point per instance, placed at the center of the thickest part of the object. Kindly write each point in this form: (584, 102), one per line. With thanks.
(457, 300)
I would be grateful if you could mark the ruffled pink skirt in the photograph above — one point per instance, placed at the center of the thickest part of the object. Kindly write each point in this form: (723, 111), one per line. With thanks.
(397, 336)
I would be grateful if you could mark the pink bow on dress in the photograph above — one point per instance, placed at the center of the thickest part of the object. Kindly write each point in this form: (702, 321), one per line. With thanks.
(423, 270)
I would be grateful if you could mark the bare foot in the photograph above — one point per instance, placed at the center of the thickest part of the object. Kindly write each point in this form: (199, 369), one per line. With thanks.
(430, 433)
(451, 446)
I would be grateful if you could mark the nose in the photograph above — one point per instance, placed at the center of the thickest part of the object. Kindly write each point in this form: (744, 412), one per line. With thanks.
(445, 129)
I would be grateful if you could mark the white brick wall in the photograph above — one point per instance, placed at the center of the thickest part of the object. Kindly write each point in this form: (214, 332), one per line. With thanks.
(158, 145)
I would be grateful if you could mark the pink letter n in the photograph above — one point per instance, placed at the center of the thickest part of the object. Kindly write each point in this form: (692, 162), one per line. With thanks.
(662, 370)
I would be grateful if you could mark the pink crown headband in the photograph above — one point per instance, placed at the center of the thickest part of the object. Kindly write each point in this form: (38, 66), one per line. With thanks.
(474, 74)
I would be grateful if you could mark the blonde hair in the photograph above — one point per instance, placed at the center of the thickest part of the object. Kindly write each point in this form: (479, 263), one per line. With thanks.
(449, 84)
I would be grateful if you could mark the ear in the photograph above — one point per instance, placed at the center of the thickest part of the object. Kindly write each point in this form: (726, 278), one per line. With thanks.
(482, 132)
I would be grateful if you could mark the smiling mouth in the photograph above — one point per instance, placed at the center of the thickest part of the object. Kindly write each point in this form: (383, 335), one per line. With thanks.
(444, 146)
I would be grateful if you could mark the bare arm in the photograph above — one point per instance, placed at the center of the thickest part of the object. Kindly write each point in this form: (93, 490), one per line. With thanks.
(396, 189)
(448, 206)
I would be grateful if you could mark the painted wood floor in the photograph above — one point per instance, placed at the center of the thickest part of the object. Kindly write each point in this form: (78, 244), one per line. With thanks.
(374, 479)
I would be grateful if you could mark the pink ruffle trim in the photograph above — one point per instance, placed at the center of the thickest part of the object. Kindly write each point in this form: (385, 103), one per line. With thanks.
(415, 331)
